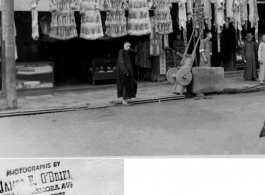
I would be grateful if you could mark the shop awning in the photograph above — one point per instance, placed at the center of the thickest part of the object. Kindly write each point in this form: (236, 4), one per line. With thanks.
(260, 1)
(24, 5)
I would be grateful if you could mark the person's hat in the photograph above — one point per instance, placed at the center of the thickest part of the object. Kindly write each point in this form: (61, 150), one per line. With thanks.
(249, 35)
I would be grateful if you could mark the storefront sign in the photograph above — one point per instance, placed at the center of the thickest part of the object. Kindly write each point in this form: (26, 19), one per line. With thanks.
(62, 177)
(163, 62)
(162, 58)
(43, 5)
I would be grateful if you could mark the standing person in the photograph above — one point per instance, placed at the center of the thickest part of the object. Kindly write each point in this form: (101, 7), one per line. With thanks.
(261, 57)
(257, 46)
(179, 47)
(249, 57)
(206, 51)
(126, 84)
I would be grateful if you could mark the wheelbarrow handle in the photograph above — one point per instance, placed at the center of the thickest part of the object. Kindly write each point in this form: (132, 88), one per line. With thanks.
(181, 55)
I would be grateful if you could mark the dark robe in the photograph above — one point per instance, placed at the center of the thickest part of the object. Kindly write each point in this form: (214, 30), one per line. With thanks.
(179, 47)
(124, 67)
(249, 54)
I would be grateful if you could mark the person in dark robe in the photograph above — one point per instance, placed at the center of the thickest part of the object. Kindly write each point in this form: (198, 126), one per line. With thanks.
(249, 58)
(179, 47)
(126, 84)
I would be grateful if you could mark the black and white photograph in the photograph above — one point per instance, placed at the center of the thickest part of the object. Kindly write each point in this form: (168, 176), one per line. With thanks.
(88, 85)
(132, 78)
(127, 78)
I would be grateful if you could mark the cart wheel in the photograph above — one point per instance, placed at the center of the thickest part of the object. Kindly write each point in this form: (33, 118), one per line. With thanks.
(171, 75)
(184, 77)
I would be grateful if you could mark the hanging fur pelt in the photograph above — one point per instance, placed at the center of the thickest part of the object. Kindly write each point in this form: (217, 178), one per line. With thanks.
(207, 13)
(253, 16)
(34, 15)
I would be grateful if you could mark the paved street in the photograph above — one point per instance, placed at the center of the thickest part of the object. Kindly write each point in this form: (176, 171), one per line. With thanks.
(223, 125)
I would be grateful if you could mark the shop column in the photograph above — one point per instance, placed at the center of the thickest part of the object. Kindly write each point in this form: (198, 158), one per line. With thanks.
(9, 47)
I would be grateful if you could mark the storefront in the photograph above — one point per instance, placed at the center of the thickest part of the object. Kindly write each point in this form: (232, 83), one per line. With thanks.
(247, 29)
(84, 60)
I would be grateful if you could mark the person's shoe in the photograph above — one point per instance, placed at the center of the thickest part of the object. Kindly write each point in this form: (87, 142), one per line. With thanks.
(125, 103)
(253, 79)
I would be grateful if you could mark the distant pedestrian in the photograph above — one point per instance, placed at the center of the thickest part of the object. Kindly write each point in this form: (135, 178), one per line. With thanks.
(126, 84)
(249, 58)
(261, 57)
(206, 51)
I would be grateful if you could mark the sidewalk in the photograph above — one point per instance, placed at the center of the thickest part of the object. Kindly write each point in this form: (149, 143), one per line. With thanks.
(91, 97)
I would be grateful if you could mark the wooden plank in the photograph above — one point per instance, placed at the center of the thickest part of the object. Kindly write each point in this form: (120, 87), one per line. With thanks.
(3, 66)
(51, 110)
(30, 112)
(150, 100)
(9, 35)
(252, 88)
(3, 49)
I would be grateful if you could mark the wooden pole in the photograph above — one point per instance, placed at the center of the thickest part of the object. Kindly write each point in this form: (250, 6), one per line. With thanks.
(3, 60)
(11, 91)
(194, 43)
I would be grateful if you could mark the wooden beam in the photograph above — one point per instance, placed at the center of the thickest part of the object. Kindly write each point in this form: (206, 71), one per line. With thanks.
(3, 49)
(9, 37)
(1, 5)
(43, 5)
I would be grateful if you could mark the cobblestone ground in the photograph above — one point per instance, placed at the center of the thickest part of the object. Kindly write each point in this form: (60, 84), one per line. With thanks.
(223, 125)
